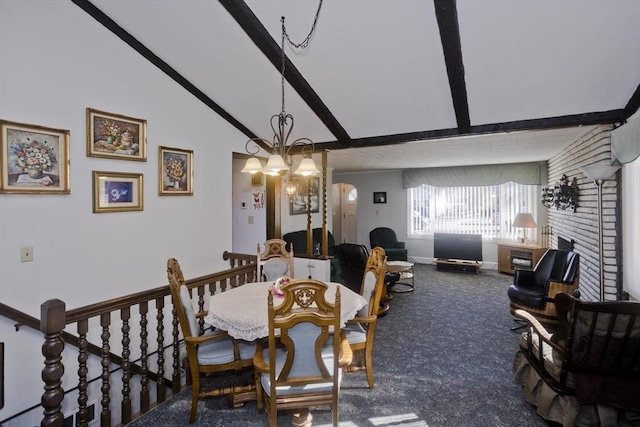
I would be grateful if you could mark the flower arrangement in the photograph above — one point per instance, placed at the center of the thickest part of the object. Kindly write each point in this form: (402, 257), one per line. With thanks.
(175, 169)
(111, 130)
(276, 287)
(33, 155)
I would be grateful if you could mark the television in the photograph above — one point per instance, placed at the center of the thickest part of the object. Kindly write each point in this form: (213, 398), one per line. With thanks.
(454, 246)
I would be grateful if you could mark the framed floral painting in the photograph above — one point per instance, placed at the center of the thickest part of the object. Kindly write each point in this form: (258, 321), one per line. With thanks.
(117, 192)
(33, 159)
(175, 172)
(116, 136)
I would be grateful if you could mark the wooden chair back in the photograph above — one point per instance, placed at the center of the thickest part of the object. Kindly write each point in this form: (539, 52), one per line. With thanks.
(181, 299)
(603, 350)
(373, 282)
(275, 261)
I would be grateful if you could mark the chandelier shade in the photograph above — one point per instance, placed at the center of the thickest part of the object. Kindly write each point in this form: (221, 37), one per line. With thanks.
(307, 167)
(275, 164)
(252, 166)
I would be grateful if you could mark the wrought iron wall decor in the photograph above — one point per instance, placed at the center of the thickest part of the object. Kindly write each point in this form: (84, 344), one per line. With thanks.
(562, 195)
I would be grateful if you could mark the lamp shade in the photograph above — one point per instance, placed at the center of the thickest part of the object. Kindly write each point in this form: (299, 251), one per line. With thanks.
(599, 172)
(275, 164)
(524, 220)
(252, 166)
(307, 167)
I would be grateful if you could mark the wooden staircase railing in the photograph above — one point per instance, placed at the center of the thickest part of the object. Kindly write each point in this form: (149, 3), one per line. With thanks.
(98, 318)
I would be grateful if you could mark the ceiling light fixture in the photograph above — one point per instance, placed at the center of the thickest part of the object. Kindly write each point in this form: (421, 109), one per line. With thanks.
(281, 159)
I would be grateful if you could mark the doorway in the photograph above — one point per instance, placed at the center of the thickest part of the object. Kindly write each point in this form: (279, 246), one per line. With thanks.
(344, 198)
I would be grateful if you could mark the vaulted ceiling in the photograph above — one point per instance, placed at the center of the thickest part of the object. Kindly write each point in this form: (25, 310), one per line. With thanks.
(400, 83)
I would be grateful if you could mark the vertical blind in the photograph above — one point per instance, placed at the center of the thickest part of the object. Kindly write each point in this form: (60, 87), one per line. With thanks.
(485, 210)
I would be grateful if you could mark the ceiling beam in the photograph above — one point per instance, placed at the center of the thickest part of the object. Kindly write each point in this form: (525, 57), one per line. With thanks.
(633, 105)
(125, 36)
(263, 40)
(574, 120)
(447, 16)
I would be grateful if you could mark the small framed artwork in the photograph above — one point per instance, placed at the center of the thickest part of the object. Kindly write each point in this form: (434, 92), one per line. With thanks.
(305, 189)
(175, 172)
(380, 197)
(33, 159)
(117, 192)
(116, 136)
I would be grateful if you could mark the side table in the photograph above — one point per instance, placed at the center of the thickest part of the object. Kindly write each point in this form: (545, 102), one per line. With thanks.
(405, 269)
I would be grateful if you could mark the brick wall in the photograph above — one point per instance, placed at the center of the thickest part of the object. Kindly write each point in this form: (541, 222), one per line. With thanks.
(582, 226)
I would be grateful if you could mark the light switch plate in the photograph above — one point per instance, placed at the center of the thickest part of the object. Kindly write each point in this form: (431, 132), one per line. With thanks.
(26, 254)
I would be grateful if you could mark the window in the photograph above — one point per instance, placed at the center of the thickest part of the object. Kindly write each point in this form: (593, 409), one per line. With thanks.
(488, 210)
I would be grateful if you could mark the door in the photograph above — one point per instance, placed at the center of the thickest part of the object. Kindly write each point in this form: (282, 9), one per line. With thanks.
(345, 213)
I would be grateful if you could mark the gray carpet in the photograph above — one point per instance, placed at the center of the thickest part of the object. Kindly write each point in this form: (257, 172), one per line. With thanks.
(442, 358)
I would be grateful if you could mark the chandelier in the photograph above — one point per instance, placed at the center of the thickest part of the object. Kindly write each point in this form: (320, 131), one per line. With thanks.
(280, 162)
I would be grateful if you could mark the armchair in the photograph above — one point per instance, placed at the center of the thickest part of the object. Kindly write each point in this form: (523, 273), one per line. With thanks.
(534, 290)
(302, 366)
(211, 351)
(386, 239)
(588, 372)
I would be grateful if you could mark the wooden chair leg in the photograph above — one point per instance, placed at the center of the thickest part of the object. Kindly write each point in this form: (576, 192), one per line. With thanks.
(368, 364)
(195, 395)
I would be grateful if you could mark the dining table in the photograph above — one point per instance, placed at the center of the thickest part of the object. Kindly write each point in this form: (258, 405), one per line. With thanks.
(243, 313)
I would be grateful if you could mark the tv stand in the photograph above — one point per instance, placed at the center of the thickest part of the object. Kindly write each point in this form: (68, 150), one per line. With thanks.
(459, 265)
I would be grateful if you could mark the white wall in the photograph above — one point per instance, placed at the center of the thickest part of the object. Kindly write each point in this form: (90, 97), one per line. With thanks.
(249, 218)
(55, 61)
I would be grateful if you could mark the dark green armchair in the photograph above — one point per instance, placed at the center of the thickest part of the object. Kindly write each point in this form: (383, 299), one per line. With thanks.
(387, 240)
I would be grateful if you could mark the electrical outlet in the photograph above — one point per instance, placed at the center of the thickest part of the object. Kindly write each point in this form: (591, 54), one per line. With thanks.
(26, 254)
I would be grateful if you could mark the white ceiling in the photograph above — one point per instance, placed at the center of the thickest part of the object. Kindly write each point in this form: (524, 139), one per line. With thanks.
(376, 73)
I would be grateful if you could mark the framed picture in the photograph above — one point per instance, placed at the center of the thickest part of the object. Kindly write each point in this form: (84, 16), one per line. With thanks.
(116, 136)
(298, 203)
(33, 159)
(117, 192)
(380, 197)
(257, 179)
(175, 172)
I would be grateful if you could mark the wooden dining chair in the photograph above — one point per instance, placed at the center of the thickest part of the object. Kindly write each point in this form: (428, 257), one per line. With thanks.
(360, 330)
(213, 351)
(275, 261)
(301, 368)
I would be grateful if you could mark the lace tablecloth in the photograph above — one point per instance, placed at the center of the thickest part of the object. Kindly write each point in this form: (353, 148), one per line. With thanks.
(242, 311)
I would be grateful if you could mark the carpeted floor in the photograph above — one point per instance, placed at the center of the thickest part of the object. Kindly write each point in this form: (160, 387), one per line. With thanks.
(442, 358)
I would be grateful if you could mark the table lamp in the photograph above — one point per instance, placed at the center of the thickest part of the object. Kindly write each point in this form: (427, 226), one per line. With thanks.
(524, 220)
